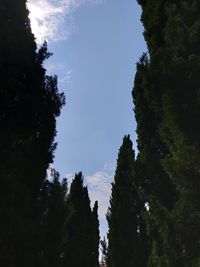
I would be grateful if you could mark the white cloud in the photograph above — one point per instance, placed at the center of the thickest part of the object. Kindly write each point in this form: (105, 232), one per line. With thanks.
(47, 18)
(51, 20)
(99, 187)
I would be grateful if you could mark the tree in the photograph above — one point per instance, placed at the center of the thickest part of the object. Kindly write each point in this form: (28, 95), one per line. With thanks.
(167, 112)
(124, 214)
(96, 235)
(156, 186)
(54, 196)
(81, 237)
(29, 104)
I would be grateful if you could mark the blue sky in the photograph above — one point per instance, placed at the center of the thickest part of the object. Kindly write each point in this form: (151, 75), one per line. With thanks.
(96, 44)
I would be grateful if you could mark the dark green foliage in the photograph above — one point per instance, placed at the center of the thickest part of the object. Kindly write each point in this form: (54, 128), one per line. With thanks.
(125, 244)
(53, 222)
(156, 185)
(82, 228)
(29, 104)
(151, 147)
(69, 229)
(167, 105)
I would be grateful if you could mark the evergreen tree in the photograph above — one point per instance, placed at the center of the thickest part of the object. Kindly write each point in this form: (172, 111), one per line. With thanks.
(157, 188)
(53, 224)
(29, 104)
(124, 242)
(169, 105)
(79, 249)
(96, 235)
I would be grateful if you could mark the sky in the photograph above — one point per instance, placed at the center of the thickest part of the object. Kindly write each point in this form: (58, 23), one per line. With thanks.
(96, 45)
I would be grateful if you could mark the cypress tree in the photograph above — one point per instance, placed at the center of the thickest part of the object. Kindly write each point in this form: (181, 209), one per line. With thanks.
(53, 223)
(95, 235)
(29, 104)
(157, 189)
(124, 242)
(170, 105)
(79, 249)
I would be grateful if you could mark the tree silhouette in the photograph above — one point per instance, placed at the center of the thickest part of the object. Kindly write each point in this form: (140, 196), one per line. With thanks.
(29, 104)
(82, 229)
(124, 236)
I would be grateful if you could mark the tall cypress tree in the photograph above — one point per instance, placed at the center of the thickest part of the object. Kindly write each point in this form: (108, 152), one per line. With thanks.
(81, 237)
(124, 242)
(170, 106)
(157, 188)
(54, 196)
(29, 104)
(95, 235)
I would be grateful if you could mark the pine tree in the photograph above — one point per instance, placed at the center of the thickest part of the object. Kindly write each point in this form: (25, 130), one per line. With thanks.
(79, 248)
(124, 242)
(29, 104)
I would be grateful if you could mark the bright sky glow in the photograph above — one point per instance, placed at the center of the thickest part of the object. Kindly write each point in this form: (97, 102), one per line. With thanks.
(51, 20)
(46, 18)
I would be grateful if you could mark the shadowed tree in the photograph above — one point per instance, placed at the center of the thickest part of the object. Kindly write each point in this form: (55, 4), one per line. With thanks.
(54, 196)
(124, 236)
(96, 235)
(166, 97)
(29, 104)
(82, 227)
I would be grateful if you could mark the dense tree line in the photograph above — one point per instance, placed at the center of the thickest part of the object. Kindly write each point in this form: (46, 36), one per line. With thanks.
(70, 233)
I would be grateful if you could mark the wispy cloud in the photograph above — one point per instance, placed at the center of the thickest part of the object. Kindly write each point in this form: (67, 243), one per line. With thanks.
(52, 20)
(99, 186)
